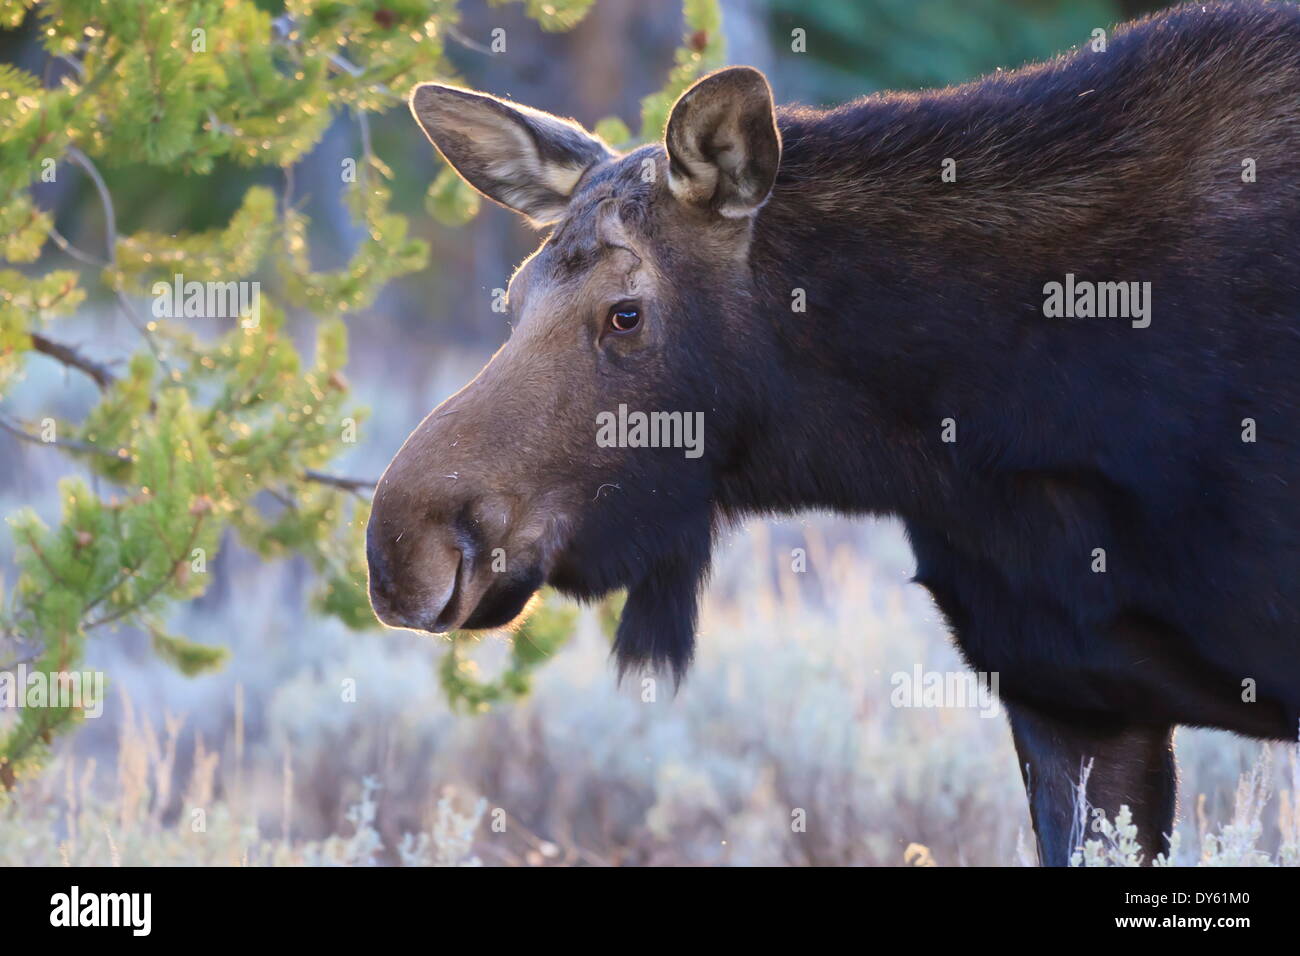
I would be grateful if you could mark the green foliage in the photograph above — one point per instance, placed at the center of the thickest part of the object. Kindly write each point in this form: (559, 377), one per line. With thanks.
(235, 250)
(222, 426)
(543, 632)
(450, 199)
(383, 254)
(554, 15)
(21, 300)
(610, 611)
(857, 48)
(186, 656)
(702, 49)
(540, 635)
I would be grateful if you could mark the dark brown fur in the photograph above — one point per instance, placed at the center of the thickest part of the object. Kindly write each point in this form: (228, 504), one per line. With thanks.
(924, 303)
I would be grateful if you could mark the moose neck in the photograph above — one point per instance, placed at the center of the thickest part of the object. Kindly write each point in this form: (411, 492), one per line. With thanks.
(915, 291)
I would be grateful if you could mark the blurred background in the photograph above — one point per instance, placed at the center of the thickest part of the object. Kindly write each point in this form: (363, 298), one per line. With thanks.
(788, 708)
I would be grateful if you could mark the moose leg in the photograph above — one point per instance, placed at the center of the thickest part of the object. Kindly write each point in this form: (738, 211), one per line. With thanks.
(1128, 765)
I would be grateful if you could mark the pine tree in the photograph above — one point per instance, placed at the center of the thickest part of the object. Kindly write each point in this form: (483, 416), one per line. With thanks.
(184, 438)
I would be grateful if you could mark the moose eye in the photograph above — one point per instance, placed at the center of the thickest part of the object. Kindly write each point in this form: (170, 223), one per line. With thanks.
(624, 317)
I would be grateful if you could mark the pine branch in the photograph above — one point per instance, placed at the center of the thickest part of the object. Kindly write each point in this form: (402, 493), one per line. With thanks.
(282, 28)
(140, 603)
(73, 359)
(453, 31)
(105, 198)
(70, 249)
(354, 485)
(19, 432)
(70, 357)
(110, 240)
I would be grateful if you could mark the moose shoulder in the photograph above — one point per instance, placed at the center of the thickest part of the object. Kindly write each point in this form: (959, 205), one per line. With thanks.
(1101, 493)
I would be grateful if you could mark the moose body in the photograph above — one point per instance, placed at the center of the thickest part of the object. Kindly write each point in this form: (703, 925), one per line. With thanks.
(1105, 509)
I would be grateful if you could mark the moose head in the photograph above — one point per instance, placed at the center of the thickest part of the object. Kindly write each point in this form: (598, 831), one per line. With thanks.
(634, 309)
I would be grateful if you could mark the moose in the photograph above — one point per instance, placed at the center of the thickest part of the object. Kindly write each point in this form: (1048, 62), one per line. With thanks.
(1105, 511)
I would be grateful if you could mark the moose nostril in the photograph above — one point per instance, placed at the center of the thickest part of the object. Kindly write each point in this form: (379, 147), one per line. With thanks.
(446, 606)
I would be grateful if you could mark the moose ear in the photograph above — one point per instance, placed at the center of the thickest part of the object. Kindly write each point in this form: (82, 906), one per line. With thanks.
(525, 159)
(723, 144)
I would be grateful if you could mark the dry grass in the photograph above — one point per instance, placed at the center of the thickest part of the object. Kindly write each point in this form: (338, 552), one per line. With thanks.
(781, 748)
